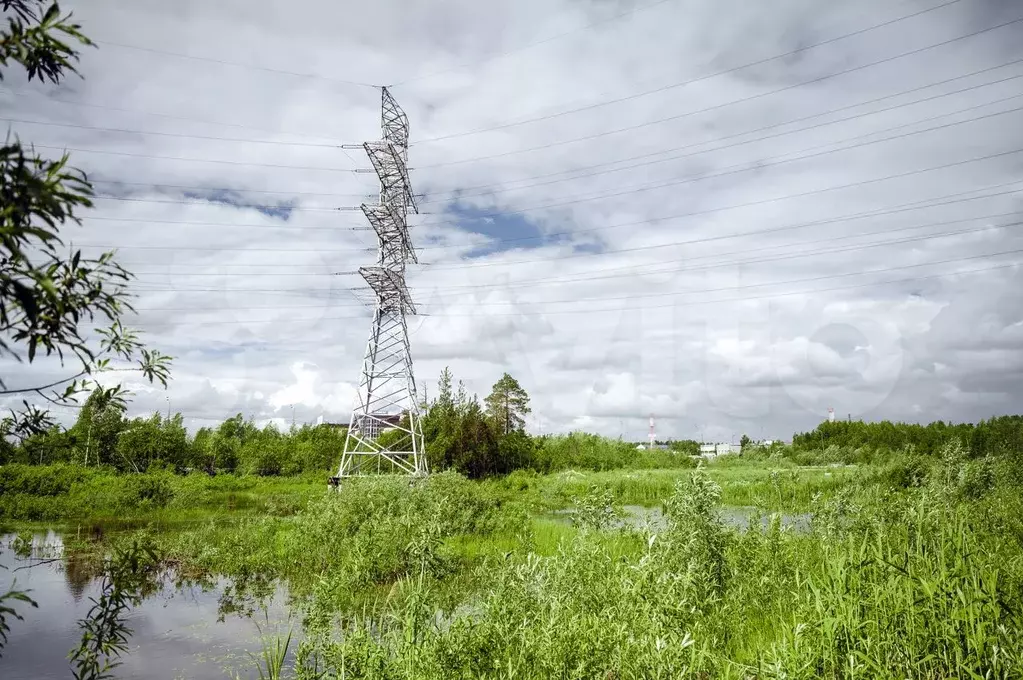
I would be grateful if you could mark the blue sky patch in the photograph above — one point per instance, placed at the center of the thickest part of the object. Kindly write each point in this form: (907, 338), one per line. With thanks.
(509, 231)
(280, 210)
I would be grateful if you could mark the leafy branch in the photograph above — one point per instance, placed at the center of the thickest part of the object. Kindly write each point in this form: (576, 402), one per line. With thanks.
(129, 577)
(36, 39)
(7, 610)
(48, 293)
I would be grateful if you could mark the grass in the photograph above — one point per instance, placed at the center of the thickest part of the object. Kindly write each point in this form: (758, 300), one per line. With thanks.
(765, 485)
(59, 495)
(913, 588)
(908, 570)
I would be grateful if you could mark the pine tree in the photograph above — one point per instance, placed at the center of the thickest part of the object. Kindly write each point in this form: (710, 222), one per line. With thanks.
(508, 405)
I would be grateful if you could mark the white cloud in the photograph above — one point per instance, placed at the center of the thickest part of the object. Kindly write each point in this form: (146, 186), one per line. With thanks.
(716, 333)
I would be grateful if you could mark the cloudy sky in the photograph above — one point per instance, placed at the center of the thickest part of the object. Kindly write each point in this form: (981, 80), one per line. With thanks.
(730, 215)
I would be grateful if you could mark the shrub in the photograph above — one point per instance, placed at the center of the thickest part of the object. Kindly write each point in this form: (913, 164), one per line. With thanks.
(43, 480)
(145, 491)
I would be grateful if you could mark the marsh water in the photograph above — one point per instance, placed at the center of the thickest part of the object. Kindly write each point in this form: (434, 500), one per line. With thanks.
(737, 517)
(180, 631)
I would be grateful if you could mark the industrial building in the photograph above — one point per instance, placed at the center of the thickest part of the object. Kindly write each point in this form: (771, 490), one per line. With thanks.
(713, 450)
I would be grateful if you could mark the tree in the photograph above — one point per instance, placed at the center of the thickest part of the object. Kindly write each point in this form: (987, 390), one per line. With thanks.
(745, 442)
(475, 453)
(99, 423)
(47, 291)
(440, 423)
(445, 401)
(508, 405)
(152, 440)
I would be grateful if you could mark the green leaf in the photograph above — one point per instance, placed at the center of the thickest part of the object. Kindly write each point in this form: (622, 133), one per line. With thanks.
(51, 14)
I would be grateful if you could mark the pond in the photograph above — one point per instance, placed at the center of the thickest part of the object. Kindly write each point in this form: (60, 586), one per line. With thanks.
(180, 632)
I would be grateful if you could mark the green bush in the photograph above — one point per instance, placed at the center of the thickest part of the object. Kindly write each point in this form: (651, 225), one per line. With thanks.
(581, 451)
(145, 491)
(40, 480)
(903, 472)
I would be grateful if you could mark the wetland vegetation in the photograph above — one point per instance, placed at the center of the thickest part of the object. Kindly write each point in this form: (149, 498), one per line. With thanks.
(906, 565)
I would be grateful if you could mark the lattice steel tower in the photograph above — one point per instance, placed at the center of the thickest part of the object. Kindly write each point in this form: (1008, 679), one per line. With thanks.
(385, 431)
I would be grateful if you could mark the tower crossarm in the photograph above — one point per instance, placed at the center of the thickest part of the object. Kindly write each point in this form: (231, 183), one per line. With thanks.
(389, 287)
(391, 229)
(389, 164)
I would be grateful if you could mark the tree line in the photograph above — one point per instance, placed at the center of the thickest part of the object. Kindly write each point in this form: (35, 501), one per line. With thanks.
(995, 436)
(478, 438)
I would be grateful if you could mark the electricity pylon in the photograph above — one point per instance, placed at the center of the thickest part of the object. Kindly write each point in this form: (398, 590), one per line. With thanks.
(385, 432)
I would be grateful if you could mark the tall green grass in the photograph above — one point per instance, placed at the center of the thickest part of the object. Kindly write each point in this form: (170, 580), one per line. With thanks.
(888, 584)
(778, 488)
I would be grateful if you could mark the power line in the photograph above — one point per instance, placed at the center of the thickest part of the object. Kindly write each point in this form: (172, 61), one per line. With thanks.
(686, 292)
(645, 268)
(623, 309)
(771, 283)
(230, 249)
(717, 107)
(205, 121)
(273, 207)
(905, 207)
(256, 273)
(620, 169)
(224, 62)
(733, 169)
(781, 160)
(520, 48)
(646, 265)
(659, 246)
(161, 185)
(284, 292)
(459, 194)
(177, 135)
(693, 80)
(729, 170)
(143, 221)
(733, 206)
(195, 160)
(213, 201)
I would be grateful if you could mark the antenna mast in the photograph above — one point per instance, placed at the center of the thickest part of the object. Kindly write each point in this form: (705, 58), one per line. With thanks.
(387, 399)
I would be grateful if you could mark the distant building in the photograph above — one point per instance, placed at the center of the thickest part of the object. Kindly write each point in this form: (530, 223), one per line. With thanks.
(714, 450)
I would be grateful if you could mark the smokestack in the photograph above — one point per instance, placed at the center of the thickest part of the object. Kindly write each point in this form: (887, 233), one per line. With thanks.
(831, 415)
(653, 437)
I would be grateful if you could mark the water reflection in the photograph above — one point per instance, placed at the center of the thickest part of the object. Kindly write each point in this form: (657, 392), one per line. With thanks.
(737, 517)
(184, 629)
